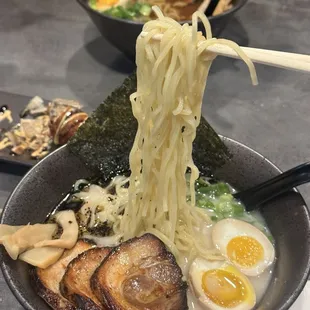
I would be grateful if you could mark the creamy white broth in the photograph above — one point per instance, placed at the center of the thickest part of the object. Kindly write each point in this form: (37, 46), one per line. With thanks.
(192, 301)
(261, 283)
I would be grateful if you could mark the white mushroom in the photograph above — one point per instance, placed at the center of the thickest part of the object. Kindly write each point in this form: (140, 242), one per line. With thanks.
(66, 219)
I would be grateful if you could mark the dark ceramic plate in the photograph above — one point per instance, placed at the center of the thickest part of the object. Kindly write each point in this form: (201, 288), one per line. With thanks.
(16, 103)
(287, 217)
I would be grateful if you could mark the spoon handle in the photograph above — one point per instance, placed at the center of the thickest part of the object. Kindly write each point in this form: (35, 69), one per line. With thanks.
(263, 192)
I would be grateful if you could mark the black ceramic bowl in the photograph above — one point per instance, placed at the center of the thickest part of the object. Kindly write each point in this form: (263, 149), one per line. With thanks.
(287, 217)
(123, 33)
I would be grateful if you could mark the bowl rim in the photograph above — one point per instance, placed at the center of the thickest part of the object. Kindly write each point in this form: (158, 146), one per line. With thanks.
(84, 4)
(24, 302)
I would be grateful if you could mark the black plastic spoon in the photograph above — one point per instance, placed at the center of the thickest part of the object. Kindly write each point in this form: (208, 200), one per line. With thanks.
(253, 197)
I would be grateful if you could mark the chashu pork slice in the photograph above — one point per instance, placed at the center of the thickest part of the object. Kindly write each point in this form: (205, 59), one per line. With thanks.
(75, 284)
(140, 274)
(47, 281)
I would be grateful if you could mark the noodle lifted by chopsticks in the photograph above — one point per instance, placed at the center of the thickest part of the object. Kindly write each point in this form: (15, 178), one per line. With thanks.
(171, 78)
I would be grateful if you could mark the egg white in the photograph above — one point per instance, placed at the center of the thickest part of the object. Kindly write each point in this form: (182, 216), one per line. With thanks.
(200, 266)
(227, 229)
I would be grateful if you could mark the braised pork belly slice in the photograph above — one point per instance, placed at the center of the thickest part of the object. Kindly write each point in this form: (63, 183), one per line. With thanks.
(75, 284)
(140, 274)
(47, 281)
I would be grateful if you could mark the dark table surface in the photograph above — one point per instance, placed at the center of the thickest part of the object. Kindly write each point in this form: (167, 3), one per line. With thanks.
(51, 49)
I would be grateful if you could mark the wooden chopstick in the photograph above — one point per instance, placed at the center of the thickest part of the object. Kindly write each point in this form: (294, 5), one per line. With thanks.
(291, 61)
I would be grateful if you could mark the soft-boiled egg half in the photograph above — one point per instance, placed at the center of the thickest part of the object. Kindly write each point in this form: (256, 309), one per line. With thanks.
(219, 286)
(103, 5)
(243, 245)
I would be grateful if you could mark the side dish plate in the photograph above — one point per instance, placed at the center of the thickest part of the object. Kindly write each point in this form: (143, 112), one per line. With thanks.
(16, 103)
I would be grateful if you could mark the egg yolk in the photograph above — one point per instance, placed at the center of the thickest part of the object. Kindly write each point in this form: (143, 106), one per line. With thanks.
(103, 3)
(224, 288)
(245, 251)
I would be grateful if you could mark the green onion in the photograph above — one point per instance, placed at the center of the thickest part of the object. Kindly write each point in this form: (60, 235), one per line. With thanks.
(145, 9)
(204, 203)
(199, 182)
(224, 207)
(130, 12)
(217, 198)
(215, 190)
(238, 209)
(92, 3)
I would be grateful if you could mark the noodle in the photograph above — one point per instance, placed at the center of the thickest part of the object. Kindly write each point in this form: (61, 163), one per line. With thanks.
(171, 78)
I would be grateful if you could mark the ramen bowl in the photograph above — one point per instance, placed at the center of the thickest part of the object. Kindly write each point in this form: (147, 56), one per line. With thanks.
(123, 33)
(287, 217)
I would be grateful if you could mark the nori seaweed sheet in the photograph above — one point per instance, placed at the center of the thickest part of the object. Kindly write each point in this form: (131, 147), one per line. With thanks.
(104, 141)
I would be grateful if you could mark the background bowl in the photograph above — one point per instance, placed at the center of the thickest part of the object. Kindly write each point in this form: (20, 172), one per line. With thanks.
(123, 33)
(287, 217)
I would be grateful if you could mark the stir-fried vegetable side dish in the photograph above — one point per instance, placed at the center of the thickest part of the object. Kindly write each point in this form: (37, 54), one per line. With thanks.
(41, 126)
